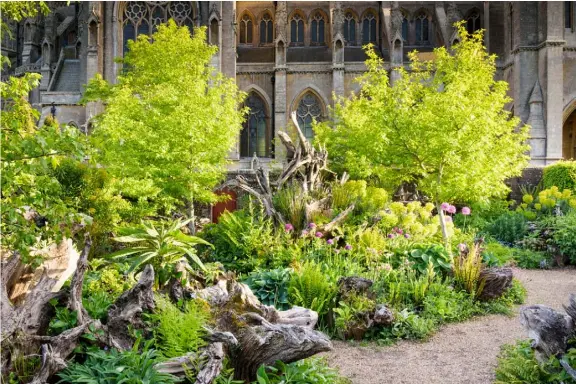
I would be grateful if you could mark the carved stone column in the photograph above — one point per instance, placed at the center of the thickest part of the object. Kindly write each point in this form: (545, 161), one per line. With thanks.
(280, 109)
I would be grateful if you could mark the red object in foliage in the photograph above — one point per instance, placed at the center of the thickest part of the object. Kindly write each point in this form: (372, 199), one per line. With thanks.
(219, 208)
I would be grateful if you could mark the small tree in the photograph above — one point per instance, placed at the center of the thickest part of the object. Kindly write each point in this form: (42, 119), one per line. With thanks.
(170, 120)
(442, 125)
(35, 211)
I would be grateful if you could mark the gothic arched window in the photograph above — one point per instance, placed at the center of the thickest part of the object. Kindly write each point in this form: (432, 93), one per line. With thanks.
(404, 28)
(369, 28)
(309, 109)
(349, 28)
(317, 29)
(473, 22)
(297, 30)
(143, 17)
(266, 29)
(246, 29)
(422, 30)
(255, 135)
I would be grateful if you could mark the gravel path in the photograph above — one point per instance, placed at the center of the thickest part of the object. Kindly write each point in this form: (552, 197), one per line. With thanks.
(458, 353)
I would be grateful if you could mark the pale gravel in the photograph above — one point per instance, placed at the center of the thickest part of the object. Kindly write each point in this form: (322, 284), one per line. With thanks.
(459, 353)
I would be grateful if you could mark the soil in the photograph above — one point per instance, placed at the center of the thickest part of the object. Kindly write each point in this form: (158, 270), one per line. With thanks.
(459, 353)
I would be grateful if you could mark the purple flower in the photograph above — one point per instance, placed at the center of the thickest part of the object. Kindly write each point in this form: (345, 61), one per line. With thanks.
(288, 227)
(451, 209)
(347, 247)
(445, 206)
(304, 233)
(329, 241)
(318, 234)
(466, 211)
(391, 236)
(311, 225)
(399, 231)
(406, 235)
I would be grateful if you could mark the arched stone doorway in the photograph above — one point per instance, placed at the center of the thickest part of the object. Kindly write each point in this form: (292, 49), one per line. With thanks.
(569, 137)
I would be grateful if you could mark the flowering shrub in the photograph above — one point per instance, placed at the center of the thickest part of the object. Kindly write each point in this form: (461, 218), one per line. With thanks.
(413, 219)
(546, 202)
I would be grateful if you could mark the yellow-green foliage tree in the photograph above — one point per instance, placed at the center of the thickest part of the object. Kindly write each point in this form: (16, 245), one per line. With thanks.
(442, 125)
(170, 120)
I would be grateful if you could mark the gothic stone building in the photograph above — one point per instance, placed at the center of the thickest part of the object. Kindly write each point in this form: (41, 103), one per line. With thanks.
(293, 56)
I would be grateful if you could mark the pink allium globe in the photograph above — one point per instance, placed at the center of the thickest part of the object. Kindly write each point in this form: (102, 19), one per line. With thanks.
(451, 209)
(466, 211)
(330, 241)
(319, 234)
(445, 206)
(348, 247)
(311, 225)
(288, 227)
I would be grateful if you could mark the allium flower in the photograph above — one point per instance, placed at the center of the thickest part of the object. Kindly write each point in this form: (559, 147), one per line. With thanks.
(347, 247)
(318, 234)
(329, 241)
(304, 233)
(406, 235)
(448, 219)
(466, 211)
(288, 227)
(445, 206)
(311, 225)
(391, 236)
(399, 231)
(451, 209)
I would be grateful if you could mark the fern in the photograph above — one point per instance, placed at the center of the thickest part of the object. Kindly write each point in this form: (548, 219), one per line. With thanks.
(178, 332)
(310, 289)
(517, 365)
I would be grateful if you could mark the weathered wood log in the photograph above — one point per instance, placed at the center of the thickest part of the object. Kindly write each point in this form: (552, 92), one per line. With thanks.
(383, 316)
(549, 330)
(75, 300)
(495, 281)
(126, 312)
(264, 334)
(353, 284)
(56, 350)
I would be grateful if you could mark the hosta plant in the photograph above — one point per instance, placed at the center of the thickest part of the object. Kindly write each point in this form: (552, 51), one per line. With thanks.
(162, 244)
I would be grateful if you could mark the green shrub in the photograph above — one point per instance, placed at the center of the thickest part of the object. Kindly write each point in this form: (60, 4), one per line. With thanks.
(351, 192)
(291, 203)
(313, 370)
(179, 332)
(495, 254)
(562, 175)
(243, 240)
(374, 200)
(271, 287)
(445, 304)
(509, 227)
(564, 235)
(526, 258)
(435, 254)
(518, 365)
(408, 325)
(309, 288)
(128, 367)
(467, 269)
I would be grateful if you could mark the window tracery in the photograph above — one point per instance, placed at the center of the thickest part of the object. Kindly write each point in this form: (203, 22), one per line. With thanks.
(143, 17)
(309, 109)
(473, 22)
(317, 29)
(255, 135)
(297, 29)
(350, 28)
(266, 29)
(369, 28)
(246, 29)
(422, 29)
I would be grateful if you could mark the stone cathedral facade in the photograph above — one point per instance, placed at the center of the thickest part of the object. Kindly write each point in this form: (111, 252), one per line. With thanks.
(294, 56)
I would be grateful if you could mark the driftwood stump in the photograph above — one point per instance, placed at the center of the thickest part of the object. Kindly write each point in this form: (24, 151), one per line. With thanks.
(496, 282)
(305, 167)
(550, 331)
